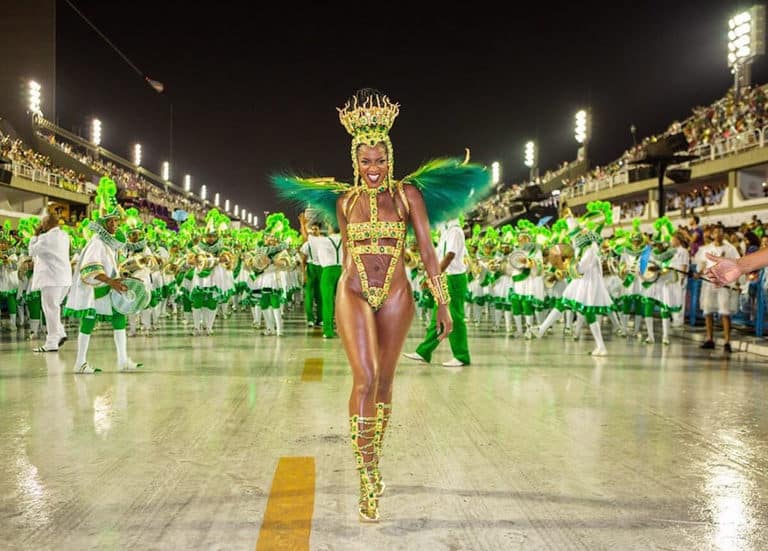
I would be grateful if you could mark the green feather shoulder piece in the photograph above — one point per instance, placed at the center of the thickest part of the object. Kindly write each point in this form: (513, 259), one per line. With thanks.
(320, 194)
(450, 187)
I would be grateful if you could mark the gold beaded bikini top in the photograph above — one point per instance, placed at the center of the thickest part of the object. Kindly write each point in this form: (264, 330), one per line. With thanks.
(372, 231)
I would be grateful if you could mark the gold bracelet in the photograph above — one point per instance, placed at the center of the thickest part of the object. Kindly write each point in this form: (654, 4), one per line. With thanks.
(438, 286)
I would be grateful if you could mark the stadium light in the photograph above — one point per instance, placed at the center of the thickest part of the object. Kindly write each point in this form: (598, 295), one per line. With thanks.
(34, 96)
(237, 210)
(203, 192)
(216, 199)
(256, 221)
(580, 132)
(187, 183)
(250, 218)
(530, 154)
(496, 172)
(166, 171)
(226, 205)
(746, 40)
(96, 132)
(137, 154)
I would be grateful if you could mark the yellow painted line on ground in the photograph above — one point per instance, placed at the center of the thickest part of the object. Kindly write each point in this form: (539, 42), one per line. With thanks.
(288, 518)
(313, 370)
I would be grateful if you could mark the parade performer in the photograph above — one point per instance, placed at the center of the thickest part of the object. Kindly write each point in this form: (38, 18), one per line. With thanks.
(27, 298)
(211, 284)
(51, 280)
(451, 250)
(329, 256)
(9, 277)
(313, 302)
(661, 281)
(274, 250)
(586, 294)
(374, 303)
(95, 275)
(137, 263)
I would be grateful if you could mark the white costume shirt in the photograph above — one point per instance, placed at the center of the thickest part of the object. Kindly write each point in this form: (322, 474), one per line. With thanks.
(327, 250)
(50, 252)
(308, 251)
(452, 241)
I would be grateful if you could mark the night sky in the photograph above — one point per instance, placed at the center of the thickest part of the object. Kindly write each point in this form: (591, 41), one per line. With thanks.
(254, 93)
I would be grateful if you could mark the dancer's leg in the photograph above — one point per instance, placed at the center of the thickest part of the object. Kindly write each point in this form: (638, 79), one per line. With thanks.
(393, 321)
(357, 329)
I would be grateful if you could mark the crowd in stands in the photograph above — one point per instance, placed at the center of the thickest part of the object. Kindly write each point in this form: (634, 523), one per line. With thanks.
(708, 125)
(135, 190)
(19, 153)
(152, 200)
(727, 117)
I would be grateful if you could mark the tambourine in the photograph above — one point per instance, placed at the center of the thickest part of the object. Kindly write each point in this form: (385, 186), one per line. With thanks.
(134, 300)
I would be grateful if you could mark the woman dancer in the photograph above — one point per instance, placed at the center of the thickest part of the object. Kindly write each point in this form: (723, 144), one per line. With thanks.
(374, 302)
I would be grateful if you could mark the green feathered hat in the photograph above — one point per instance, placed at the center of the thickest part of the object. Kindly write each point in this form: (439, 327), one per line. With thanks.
(474, 239)
(27, 228)
(637, 238)
(106, 200)
(526, 228)
(212, 222)
(276, 224)
(663, 231)
(543, 236)
(491, 237)
(5, 233)
(559, 232)
(132, 221)
(599, 214)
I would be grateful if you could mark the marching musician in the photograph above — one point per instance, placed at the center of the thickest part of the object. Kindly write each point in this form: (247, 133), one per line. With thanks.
(211, 285)
(137, 265)
(9, 278)
(95, 276)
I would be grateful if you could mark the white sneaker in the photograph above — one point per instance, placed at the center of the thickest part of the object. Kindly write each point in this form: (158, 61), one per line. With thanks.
(268, 332)
(85, 369)
(665, 342)
(414, 356)
(528, 334)
(650, 340)
(130, 365)
(599, 352)
(453, 362)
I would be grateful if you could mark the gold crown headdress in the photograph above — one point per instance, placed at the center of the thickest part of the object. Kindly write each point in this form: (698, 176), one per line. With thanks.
(368, 118)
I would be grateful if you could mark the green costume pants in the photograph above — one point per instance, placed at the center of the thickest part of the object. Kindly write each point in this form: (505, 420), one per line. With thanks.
(312, 295)
(10, 300)
(34, 303)
(457, 289)
(87, 324)
(328, 282)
